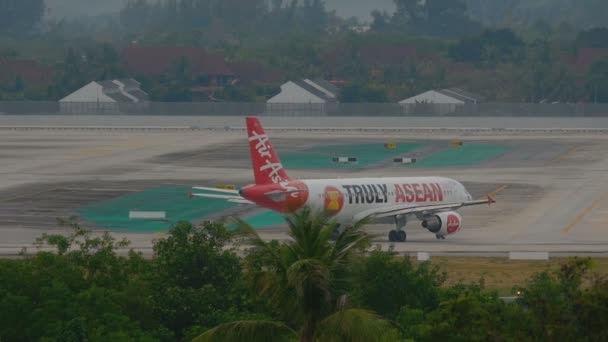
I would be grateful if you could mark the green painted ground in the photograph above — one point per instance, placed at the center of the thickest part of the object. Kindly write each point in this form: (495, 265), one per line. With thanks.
(265, 220)
(114, 214)
(466, 155)
(321, 156)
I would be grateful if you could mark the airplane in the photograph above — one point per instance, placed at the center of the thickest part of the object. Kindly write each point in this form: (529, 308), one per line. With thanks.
(432, 200)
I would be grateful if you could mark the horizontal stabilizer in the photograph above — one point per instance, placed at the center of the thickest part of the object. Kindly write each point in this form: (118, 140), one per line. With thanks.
(240, 201)
(226, 191)
(233, 199)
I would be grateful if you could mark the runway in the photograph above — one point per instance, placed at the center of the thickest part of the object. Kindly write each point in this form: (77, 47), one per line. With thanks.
(220, 122)
(551, 190)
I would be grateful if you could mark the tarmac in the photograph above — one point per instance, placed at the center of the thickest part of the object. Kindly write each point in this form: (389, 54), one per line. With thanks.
(551, 189)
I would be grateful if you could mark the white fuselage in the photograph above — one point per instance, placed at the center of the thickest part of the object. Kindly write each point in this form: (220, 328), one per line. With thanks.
(345, 198)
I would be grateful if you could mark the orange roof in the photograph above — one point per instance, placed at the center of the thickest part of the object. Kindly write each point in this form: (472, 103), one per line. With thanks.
(585, 57)
(255, 72)
(157, 60)
(388, 54)
(29, 71)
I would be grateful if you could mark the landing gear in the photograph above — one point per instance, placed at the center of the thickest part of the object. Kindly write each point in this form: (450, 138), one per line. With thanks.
(440, 237)
(398, 235)
(335, 233)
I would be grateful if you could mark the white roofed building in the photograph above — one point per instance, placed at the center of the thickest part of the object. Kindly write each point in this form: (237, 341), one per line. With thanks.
(306, 91)
(444, 96)
(104, 96)
(440, 101)
(303, 98)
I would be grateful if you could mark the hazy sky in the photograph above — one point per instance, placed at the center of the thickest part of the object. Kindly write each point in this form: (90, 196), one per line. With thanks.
(359, 8)
(73, 8)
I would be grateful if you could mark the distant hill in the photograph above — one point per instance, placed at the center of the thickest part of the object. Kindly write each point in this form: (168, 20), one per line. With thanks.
(75, 8)
(361, 9)
(58, 9)
(579, 13)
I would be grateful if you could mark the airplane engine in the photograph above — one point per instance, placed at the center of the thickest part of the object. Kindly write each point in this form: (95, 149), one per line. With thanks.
(442, 224)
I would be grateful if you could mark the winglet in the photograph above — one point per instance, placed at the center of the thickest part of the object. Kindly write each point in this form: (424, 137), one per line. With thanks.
(491, 200)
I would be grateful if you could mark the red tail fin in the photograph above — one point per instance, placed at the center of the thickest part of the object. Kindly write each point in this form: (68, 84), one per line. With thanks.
(267, 167)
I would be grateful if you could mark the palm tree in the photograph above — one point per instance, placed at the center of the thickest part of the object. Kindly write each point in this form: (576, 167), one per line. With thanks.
(306, 278)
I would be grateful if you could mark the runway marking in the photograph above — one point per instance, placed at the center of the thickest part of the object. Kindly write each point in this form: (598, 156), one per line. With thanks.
(28, 195)
(584, 213)
(124, 145)
(495, 192)
(566, 154)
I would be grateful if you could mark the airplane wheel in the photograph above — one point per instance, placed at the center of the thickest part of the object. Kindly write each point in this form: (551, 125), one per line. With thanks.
(402, 236)
(393, 236)
(440, 237)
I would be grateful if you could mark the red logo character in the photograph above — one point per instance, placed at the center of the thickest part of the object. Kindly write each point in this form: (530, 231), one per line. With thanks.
(334, 201)
(453, 223)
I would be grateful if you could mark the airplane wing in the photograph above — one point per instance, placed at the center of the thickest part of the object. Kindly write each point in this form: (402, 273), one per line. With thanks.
(234, 199)
(408, 209)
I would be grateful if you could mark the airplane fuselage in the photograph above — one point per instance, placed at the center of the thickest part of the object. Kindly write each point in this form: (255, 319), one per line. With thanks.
(343, 199)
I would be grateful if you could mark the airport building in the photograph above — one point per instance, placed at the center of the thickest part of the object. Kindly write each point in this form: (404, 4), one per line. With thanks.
(444, 100)
(307, 92)
(104, 97)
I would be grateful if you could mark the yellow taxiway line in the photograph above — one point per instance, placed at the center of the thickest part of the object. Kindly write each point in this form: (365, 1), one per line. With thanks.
(496, 192)
(584, 213)
(564, 155)
(27, 195)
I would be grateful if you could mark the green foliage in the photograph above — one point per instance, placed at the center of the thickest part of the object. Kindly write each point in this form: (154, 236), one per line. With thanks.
(555, 303)
(197, 279)
(559, 304)
(593, 38)
(597, 81)
(513, 63)
(354, 325)
(232, 93)
(79, 67)
(84, 291)
(308, 288)
(248, 331)
(387, 283)
(363, 93)
(442, 18)
(308, 278)
(491, 46)
(468, 313)
(227, 17)
(308, 273)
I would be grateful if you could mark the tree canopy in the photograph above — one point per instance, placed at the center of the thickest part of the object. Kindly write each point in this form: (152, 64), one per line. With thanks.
(311, 288)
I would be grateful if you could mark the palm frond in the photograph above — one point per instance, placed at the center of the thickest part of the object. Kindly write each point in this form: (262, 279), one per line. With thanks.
(310, 232)
(310, 277)
(248, 331)
(352, 238)
(253, 238)
(352, 325)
